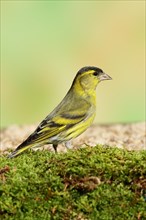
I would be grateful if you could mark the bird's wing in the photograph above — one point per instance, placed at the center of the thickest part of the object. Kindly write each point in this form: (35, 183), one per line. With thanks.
(66, 115)
(50, 128)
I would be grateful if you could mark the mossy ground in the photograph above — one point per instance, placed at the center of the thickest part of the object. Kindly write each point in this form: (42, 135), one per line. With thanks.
(91, 183)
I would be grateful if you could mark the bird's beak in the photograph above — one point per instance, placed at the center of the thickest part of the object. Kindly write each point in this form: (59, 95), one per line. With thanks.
(104, 76)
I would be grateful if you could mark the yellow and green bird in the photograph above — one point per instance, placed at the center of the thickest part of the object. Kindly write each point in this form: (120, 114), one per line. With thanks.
(72, 116)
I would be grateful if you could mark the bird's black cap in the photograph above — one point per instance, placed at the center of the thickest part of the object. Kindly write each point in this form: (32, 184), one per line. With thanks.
(87, 68)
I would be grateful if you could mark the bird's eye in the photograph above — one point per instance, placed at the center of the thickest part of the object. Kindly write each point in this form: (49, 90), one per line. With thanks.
(95, 73)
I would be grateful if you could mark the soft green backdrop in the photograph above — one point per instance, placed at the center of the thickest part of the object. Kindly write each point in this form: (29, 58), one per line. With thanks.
(44, 44)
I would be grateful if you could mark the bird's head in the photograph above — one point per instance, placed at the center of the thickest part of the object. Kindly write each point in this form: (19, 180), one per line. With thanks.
(89, 77)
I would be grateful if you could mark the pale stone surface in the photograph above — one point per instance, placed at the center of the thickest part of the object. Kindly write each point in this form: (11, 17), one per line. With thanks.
(127, 136)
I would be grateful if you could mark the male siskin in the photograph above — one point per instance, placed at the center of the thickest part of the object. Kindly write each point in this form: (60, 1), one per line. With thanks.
(72, 116)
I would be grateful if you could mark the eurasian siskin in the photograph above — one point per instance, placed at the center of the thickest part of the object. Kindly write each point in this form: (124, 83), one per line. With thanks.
(72, 116)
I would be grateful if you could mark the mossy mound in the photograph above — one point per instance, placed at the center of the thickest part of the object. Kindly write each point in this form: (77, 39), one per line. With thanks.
(91, 183)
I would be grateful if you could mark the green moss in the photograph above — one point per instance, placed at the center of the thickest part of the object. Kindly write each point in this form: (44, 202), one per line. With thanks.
(91, 183)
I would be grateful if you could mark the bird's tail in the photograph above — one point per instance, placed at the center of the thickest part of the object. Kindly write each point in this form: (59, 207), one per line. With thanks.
(22, 147)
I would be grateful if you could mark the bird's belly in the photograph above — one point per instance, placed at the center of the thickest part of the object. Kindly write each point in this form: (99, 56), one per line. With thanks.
(78, 129)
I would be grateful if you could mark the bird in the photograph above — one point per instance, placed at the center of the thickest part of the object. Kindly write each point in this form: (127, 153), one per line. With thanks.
(72, 116)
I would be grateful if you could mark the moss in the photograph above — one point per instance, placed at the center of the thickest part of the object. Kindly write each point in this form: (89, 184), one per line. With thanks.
(90, 183)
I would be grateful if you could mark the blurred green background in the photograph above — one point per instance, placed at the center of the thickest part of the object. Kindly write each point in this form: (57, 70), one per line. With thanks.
(44, 44)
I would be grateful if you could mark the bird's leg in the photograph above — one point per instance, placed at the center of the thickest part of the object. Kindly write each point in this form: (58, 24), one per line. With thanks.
(55, 147)
(68, 145)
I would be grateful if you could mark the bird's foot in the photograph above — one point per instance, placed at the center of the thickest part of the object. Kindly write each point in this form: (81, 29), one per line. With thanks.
(68, 145)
